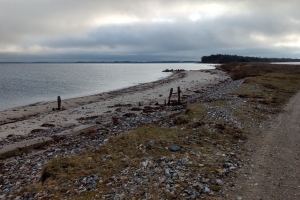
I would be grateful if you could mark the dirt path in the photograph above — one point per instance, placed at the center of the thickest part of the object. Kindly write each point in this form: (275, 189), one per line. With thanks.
(273, 167)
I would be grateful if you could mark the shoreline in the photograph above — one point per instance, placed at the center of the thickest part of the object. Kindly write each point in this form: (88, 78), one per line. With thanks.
(44, 102)
(22, 120)
(32, 109)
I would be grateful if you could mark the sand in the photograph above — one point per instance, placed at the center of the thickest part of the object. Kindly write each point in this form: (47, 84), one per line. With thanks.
(22, 120)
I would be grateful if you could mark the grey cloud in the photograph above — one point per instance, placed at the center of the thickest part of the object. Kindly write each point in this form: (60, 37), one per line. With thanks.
(64, 28)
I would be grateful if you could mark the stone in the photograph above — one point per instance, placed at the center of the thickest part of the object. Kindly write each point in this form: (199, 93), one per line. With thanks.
(77, 150)
(206, 190)
(220, 171)
(167, 172)
(188, 192)
(185, 161)
(232, 154)
(180, 174)
(227, 165)
(205, 180)
(219, 181)
(175, 148)
(151, 143)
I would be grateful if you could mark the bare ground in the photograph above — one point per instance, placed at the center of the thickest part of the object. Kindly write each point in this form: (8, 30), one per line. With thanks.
(272, 162)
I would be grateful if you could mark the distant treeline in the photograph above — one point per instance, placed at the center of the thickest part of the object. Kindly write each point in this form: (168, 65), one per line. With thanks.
(220, 58)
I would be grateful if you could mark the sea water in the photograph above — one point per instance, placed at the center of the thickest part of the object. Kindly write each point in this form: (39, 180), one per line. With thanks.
(27, 83)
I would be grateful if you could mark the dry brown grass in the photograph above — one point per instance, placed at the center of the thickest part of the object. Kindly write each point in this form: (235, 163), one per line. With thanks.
(266, 88)
(267, 84)
(133, 147)
(243, 70)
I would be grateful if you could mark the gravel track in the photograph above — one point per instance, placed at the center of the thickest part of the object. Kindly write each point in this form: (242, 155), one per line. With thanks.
(271, 169)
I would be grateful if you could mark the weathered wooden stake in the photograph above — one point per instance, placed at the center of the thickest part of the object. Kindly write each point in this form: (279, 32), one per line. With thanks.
(58, 103)
(171, 91)
(165, 102)
(178, 90)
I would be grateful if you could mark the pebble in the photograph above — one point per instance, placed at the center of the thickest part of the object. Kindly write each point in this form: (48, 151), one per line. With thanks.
(175, 148)
(206, 190)
(219, 181)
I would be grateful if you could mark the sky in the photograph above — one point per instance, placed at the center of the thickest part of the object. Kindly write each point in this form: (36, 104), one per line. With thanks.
(146, 30)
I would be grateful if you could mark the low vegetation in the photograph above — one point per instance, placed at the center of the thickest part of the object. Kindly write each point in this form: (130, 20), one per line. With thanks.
(223, 58)
(265, 89)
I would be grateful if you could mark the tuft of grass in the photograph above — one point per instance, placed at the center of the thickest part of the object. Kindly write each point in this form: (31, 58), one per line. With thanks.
(195, 111)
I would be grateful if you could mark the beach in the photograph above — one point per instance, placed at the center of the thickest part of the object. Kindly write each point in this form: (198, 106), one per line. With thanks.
(22, 120)
(32, 136)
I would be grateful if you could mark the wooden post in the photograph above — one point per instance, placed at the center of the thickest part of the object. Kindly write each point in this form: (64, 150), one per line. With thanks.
(171, 91)
(178, 90)
(58, 103)
(165, 102)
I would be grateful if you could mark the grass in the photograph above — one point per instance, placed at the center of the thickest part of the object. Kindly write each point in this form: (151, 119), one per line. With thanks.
(244, 70)
(266, 87)
(196, 112)
(131, 149)
(193, 112)
(271, 88)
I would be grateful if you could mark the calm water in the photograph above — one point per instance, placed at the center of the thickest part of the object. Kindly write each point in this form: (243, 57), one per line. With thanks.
(23, 84)
(287, 63)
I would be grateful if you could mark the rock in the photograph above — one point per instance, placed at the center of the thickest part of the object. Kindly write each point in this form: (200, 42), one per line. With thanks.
(162, 179)
(180, 174)
(227, 165)
(188, 192)
(168, 70)
(175, 148)
(232, 154)
(219, 181)
(206, 190)
(205, 180)
(220, 171)
(167, 172)
(185, 161)
(151, 143)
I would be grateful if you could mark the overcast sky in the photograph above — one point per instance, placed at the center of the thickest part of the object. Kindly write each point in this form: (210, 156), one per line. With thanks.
(145, 30)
